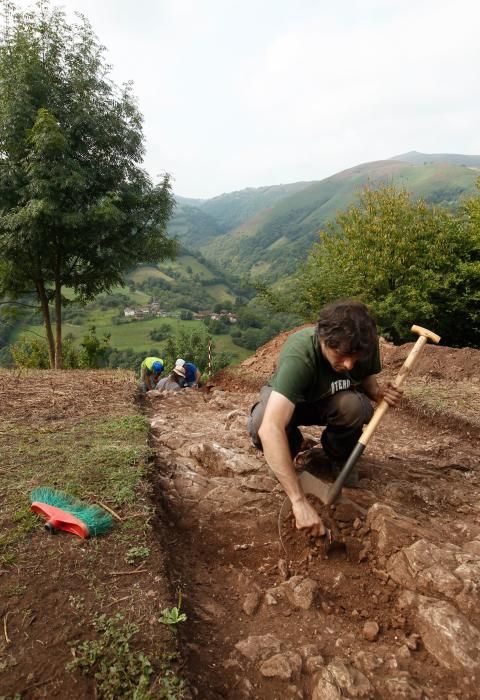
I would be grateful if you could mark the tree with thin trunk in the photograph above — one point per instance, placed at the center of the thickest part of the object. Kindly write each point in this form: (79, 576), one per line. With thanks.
(76, 207)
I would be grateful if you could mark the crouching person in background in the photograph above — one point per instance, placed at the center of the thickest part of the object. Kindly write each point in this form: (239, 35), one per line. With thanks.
(192, 373)
(174, 381)
(150, 371)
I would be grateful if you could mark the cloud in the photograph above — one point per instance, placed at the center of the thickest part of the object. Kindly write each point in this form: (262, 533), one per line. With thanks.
(238, 93)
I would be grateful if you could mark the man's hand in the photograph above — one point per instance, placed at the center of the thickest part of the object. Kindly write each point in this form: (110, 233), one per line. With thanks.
(390, 393)
(306, 517)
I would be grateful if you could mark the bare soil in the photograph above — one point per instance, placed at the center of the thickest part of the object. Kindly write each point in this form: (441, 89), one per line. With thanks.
(228, 551)
(253, 630)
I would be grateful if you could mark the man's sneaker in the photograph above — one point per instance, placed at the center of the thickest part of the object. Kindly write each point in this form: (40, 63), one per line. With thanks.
(352, 479)
(314, 461)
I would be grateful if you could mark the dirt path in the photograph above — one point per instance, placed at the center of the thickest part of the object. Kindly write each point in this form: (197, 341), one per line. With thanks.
(390, 610)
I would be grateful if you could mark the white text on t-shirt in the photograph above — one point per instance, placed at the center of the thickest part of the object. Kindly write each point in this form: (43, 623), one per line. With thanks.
(340, 385)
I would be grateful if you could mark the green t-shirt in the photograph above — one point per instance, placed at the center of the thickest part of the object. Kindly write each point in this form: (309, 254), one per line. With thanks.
(303, 374)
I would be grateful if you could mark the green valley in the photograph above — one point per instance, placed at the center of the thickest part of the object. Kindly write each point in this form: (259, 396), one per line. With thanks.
(226, 242)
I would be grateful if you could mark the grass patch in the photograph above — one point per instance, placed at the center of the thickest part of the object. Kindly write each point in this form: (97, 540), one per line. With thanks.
(198, 268)
(457, 402)
(146, 271)
(137, 554)
(220, 293)
(92, 459)
(135, 298)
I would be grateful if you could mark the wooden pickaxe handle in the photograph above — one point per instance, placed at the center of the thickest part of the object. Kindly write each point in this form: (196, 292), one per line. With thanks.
(413, 355)
(381, 409)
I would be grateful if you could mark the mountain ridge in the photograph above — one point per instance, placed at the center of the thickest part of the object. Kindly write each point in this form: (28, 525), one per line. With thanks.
(273, 228)
(286, 233)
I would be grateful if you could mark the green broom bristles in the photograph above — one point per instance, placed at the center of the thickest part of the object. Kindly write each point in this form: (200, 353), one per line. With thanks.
(95, 518)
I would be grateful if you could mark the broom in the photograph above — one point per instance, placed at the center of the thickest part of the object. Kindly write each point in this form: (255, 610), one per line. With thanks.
(63, 512)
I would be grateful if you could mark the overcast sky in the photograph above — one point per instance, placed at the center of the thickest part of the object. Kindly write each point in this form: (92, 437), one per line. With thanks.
(245, 93)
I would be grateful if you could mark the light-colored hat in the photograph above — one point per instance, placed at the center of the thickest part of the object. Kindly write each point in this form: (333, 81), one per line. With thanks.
(179, 362)
(180, 371)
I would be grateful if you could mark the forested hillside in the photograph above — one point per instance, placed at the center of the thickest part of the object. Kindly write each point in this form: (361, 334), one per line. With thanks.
(197, 221)
(271, 245)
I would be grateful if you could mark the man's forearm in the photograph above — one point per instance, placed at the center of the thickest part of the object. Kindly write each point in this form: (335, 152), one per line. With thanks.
(371, 387)
(277, 453)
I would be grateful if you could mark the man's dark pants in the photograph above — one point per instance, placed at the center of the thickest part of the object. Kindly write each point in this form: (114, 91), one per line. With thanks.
(343, 414)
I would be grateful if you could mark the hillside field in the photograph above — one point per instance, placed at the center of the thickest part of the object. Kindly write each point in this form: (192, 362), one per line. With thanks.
(134, 335)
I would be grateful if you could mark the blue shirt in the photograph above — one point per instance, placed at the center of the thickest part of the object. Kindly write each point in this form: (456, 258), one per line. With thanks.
(190, 372)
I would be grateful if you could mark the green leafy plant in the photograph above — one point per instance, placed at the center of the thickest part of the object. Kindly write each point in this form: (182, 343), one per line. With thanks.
(407, 260)
(171, 686)
(136, 554)
(33, 353)
(119, 672)
(93, 349)
(172, 616)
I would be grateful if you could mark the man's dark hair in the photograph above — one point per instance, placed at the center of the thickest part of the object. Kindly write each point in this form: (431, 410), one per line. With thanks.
(348, 327)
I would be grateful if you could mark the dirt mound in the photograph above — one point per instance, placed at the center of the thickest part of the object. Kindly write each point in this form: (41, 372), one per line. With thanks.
(436, 362)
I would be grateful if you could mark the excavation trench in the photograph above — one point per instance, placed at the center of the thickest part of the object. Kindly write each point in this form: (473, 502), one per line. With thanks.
(281, 617)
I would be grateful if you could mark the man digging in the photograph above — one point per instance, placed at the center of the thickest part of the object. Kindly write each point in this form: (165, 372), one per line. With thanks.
(325, 376)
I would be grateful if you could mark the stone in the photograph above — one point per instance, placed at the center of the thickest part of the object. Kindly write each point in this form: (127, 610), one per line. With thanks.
(222, 461)
(313, 664)
(368, 661)
(245, 688)
(403, 656)
(403, 687)
(282, 567)
(300, 591)
(346, 512)
(339, 680)
(270, 598)
(393, 530)
(371, 630)
(346, 641)
(426, 568)
(363, 553)
(295, 661)
(251, 602)
(446, 634)
(259, 646)
(277, 666)
(260, 483)
(235, 419)
(308, 650)
(472, 547)
(412, 641)
(325, 689)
